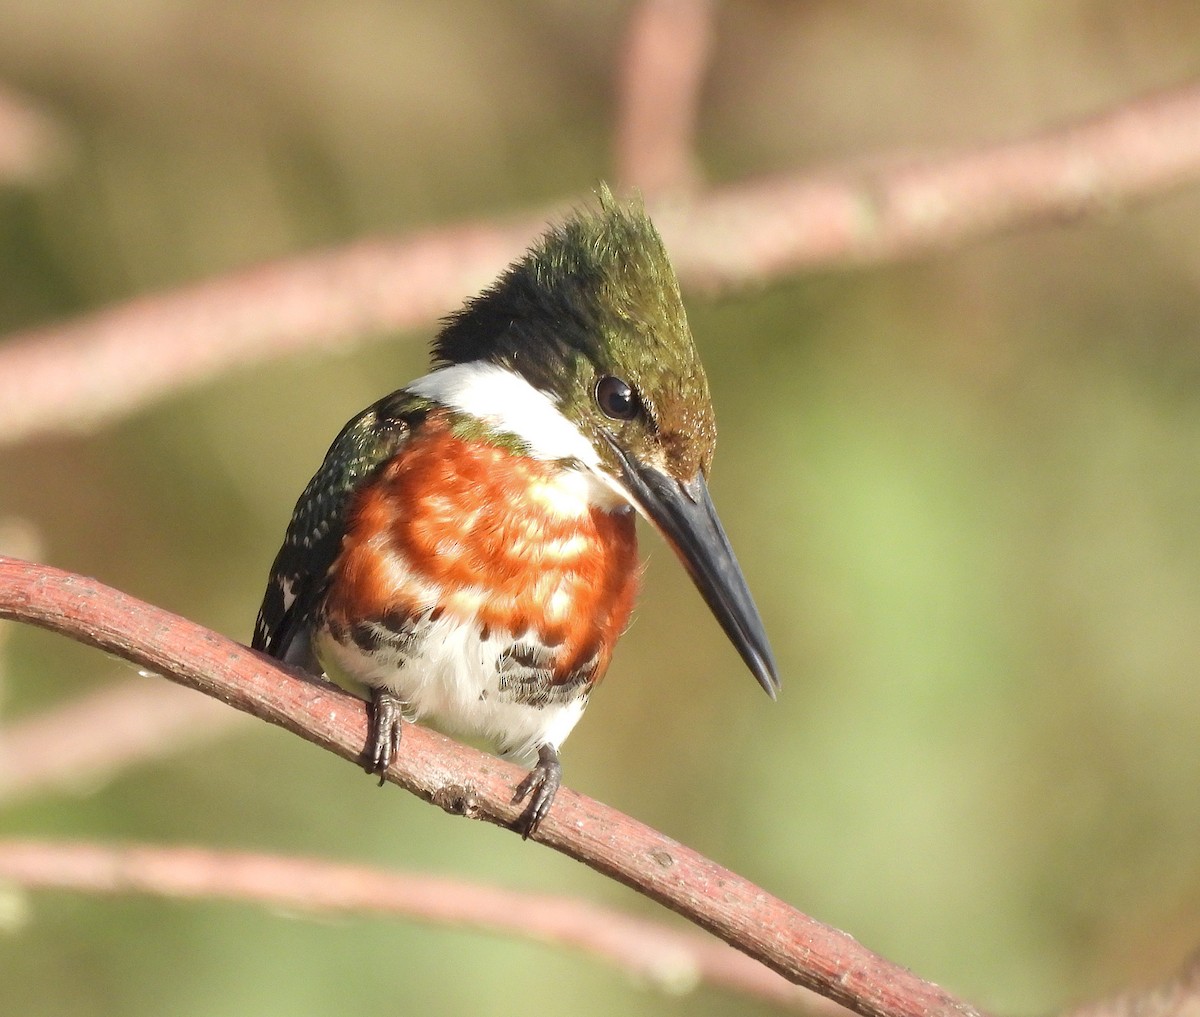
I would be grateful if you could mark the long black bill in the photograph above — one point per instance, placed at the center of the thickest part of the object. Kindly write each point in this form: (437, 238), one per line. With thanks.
(685, 515)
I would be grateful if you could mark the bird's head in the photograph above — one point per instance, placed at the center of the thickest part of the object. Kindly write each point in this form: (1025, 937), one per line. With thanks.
(581, 351)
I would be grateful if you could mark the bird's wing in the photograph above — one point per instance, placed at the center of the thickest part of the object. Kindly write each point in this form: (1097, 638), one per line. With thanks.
(314, 536)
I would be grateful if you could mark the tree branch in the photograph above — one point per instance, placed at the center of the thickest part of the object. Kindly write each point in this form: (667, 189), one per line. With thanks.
(65, 377)
(671, 959)
(109, 729)
(466, 782)
(31, 142)
(904, 206)
(658, 93)
(113, 362)
(1178, 996)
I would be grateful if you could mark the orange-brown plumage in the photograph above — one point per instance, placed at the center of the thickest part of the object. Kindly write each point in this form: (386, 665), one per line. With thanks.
(466, 550)
(489, 538)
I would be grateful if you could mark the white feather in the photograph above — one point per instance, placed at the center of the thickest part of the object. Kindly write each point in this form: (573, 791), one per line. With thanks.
(453, 681)
(509, 404)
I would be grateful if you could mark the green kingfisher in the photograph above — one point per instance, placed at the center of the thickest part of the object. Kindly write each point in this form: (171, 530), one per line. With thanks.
(467, 549)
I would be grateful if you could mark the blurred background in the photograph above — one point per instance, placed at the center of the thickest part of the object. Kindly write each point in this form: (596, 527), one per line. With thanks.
(964, 490)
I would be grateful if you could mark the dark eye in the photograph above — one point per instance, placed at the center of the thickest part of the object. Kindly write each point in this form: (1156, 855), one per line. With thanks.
(616, 398)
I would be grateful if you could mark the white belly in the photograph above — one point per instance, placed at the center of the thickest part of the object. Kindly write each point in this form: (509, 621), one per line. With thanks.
(451, 679)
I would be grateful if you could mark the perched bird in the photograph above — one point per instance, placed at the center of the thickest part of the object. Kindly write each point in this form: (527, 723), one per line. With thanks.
(467, 549)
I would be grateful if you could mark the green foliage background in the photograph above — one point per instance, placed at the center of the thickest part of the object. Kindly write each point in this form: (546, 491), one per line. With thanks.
(964, 491)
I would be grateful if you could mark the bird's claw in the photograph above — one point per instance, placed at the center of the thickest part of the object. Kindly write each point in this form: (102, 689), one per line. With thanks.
(383, 741)
(540, 786)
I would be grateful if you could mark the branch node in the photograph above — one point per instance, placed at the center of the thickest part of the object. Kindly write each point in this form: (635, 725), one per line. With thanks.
(458, 800)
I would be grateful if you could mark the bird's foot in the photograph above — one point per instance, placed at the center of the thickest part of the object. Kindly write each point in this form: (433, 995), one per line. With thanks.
(383, 739)
(540, 787)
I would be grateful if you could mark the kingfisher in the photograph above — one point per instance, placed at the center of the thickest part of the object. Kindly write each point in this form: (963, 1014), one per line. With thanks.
(467, 549)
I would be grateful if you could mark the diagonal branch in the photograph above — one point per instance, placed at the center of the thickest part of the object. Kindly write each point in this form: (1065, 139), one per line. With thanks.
(672, 959)
(901, 207)
(74, 375)
(69, 377)
(464, 781)
(110, 728)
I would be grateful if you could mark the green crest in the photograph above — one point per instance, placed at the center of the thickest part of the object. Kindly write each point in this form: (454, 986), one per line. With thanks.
(597, 297)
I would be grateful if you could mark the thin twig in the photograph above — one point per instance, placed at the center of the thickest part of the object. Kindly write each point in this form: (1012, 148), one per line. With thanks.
(65, 377)
(901, 207)
(31, 141)
(69, 377)
(464, 781)
(1178, 996)
(88, 739)
(658, 93)
(673, 960)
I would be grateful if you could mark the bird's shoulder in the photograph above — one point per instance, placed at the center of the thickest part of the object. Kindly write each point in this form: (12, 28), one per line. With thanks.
(314, 534)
